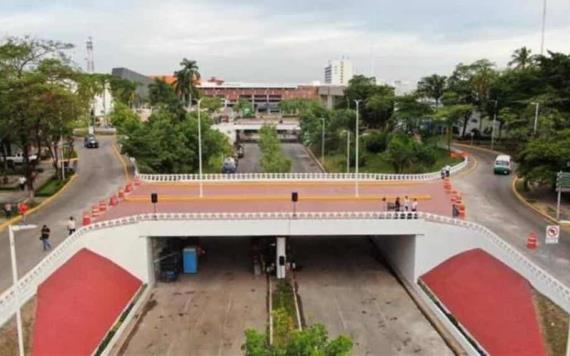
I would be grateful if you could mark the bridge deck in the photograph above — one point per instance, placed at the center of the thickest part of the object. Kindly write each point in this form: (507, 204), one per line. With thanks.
(249, 196)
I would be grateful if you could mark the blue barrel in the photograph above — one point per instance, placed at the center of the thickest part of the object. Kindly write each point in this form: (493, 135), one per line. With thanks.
(190, 260)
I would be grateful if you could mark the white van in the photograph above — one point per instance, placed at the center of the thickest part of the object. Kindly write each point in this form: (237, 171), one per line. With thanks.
(503, 164)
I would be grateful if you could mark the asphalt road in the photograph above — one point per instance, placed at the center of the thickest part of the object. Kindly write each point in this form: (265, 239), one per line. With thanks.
(206, 313)
(302, 162)
(100, 174)
(343, 286)
(491, 202)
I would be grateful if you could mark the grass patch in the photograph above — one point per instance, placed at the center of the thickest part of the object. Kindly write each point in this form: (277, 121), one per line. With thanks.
(52, 186)
(376, 163)
(554, 324)
(284, 312)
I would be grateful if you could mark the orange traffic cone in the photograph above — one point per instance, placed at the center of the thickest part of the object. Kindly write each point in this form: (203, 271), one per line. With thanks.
(532, 242)
(86, 219)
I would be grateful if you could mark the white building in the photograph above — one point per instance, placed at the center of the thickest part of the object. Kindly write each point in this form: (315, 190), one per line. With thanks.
(103, 104)
(339, 72)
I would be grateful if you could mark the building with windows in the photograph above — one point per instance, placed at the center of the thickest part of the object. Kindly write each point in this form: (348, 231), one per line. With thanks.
(339, 72)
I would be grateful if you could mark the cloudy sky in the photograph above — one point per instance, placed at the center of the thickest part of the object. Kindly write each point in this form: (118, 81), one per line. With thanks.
(291, 41)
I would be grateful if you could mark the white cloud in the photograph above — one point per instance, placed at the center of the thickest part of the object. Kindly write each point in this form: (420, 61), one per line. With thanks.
(250, 43)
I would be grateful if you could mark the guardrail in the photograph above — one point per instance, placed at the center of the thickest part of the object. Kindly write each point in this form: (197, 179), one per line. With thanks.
(27, 286)
(164, 178)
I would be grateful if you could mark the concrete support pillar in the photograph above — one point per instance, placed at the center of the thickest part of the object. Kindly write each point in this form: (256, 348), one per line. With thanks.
(281, 254)
(329, 101)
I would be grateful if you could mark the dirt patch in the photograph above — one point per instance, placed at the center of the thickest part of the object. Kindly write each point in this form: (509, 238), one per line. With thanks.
(554, 324)
(9, 333)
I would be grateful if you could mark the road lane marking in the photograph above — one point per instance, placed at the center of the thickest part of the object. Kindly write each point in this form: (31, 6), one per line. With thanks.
(339, 313)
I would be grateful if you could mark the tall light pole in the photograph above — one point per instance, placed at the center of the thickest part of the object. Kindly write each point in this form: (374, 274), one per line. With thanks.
(11, 229)
(543, 28)
(200, 150)
(537, 104)
(347, 151)
(323, 140)
(356, 147)
(494, 124)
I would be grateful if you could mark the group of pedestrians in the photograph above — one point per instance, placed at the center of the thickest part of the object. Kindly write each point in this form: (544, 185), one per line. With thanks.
(45, 232)
(408, 206)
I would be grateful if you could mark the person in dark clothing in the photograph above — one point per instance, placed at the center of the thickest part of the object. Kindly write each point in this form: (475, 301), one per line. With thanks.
(45, 238)
(397, 204)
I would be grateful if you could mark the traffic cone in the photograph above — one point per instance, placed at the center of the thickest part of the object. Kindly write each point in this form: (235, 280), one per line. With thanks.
(129, 188)
(86, 219)
(532, 242)
(113, 201)
(137, 181)
(95, 210)
(121, 193)
(102, 206)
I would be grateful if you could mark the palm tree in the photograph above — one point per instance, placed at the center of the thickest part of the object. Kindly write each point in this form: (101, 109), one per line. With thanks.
(433, 87)
(186, 78)
(522, 58)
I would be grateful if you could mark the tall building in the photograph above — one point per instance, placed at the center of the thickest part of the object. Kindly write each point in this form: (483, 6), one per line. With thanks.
(339, 72)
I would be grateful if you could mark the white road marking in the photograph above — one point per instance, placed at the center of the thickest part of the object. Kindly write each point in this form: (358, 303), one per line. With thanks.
(339, 313)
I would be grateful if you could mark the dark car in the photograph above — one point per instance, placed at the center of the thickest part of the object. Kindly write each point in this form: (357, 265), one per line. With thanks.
(90, 141)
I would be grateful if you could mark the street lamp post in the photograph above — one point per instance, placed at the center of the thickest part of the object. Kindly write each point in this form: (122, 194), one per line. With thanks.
(543, 28)
(494, 124)
(347, 151)
(537, 105)
(323, 140)
(356, 148)
(11, 229)
(200, 150)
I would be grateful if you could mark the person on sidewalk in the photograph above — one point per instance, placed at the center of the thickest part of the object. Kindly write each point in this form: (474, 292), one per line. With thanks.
(45, 238)
(447, 170)
(415, 205)
(8, 210)
(397, 204)
(406, 203)
(22, 183)
(71, 225)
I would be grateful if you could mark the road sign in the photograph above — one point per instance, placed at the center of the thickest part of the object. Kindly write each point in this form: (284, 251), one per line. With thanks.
(552, 234)
(563, 182)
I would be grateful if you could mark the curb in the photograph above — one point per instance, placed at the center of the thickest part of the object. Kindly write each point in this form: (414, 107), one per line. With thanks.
(488, 150)
(122, 160)
(321, 167)
(529, 205)
(40, 205)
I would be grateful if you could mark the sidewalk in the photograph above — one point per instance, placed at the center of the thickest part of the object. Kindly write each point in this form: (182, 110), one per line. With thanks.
(544, 199)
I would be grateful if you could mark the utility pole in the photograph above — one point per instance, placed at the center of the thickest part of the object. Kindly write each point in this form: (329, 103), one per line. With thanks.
(200, 151)
(536, 117)
(323, 141)
(347, 151)
(494, 124)
(356, 147)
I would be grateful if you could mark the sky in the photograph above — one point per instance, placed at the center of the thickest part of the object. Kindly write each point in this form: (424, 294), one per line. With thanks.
(291, 41)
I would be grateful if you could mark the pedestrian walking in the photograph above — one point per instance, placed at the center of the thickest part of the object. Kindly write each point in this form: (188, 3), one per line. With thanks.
(406, 203)
(397, 204)
(443, 173)
(22, 182)
(45, 238)
(22, 210)
(447, 170)
(8, 210)
(71, 225)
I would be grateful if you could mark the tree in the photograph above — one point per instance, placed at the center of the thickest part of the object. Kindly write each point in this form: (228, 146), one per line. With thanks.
(162, 94)
(312, 341)
(124, 119)
(272, 160)
(433, 87)
(124, 91)
(36, 79)
(243, 107)
(185, 84)
(521, 58)
(212, 104)
(450, 115)
(409, 110)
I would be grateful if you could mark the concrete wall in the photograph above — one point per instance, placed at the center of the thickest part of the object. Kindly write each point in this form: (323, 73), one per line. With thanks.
(125, 246)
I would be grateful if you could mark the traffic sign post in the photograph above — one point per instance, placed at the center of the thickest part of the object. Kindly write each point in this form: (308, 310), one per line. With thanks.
(552, 234)
(562, 186)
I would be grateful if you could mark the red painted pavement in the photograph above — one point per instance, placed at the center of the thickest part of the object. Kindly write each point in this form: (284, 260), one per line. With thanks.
(493, 302)
(275, 197)
(78, 304)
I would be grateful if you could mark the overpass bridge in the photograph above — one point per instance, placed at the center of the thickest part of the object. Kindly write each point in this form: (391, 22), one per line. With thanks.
(349, 205)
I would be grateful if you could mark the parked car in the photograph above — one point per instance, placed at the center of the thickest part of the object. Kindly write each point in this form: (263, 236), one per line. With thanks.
(90, 141)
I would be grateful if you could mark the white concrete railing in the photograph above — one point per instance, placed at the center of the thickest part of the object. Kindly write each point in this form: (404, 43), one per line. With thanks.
(164, 178)
(27, 286)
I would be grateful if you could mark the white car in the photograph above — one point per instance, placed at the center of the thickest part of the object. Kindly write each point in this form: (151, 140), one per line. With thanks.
(18, 158)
